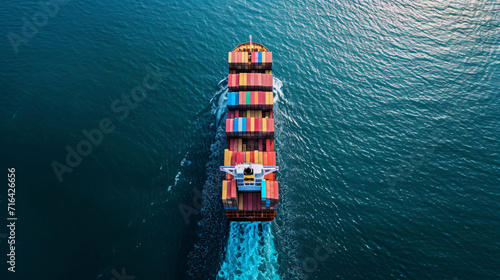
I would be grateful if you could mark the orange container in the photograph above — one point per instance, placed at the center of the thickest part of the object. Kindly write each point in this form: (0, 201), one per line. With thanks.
(240, 201)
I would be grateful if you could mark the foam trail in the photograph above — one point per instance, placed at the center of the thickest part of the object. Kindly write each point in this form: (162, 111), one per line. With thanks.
(250, 253)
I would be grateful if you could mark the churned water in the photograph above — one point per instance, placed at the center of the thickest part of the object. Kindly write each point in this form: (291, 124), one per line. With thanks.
(387, 118)
(250, 253)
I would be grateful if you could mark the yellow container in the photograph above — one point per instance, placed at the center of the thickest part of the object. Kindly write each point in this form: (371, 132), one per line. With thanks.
(242, 79)
(247, 156)
(244, 148)
(240, 145)
(224, 192)
(229, 58)
(256, 156)
(252, 125)
(264, 125)
(226, 155)
(261, 158)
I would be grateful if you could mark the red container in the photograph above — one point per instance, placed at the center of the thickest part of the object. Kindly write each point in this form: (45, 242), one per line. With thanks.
(268, 144)
(245, 201)
(242, 100)
(272, 144)
(276, 191)
(260, 145)
(228, 127)
(270, 126)
(235, 193)
(250, 201)
(231, 127)
(256, 199)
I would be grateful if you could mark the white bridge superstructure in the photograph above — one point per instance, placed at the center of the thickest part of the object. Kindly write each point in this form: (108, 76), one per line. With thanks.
(248, 175)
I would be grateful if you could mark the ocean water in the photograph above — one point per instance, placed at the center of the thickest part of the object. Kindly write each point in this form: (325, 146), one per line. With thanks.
(387, 117)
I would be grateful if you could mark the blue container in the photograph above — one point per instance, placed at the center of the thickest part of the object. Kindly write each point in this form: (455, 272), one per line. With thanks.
(236, 127)
(230, 99)
(240, 126)
(263, 189)
(244, 126)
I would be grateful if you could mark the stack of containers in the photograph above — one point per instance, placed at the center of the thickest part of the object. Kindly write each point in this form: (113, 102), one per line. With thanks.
(238, 61)
(269, 195)
(261, 61)
(229, 194)
(233, 81)
(250, 82)
(250, 127)
(250, 100)
(251, 201)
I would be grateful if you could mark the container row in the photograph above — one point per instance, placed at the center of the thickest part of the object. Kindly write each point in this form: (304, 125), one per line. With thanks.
(250, 61)
(250, 82)
(243, 145)
(250, 127)
(246, 100)
(232, 158)
(231, 114)
(266, 199)
(249, 201)
(269, 71)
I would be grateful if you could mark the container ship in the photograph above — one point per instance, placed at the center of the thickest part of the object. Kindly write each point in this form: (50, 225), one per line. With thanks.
(250, 191)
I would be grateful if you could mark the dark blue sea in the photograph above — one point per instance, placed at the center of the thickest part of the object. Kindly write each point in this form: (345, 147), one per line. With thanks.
(388, 139)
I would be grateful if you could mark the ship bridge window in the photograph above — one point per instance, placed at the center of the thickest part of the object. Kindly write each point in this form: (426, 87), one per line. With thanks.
(248, 171)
